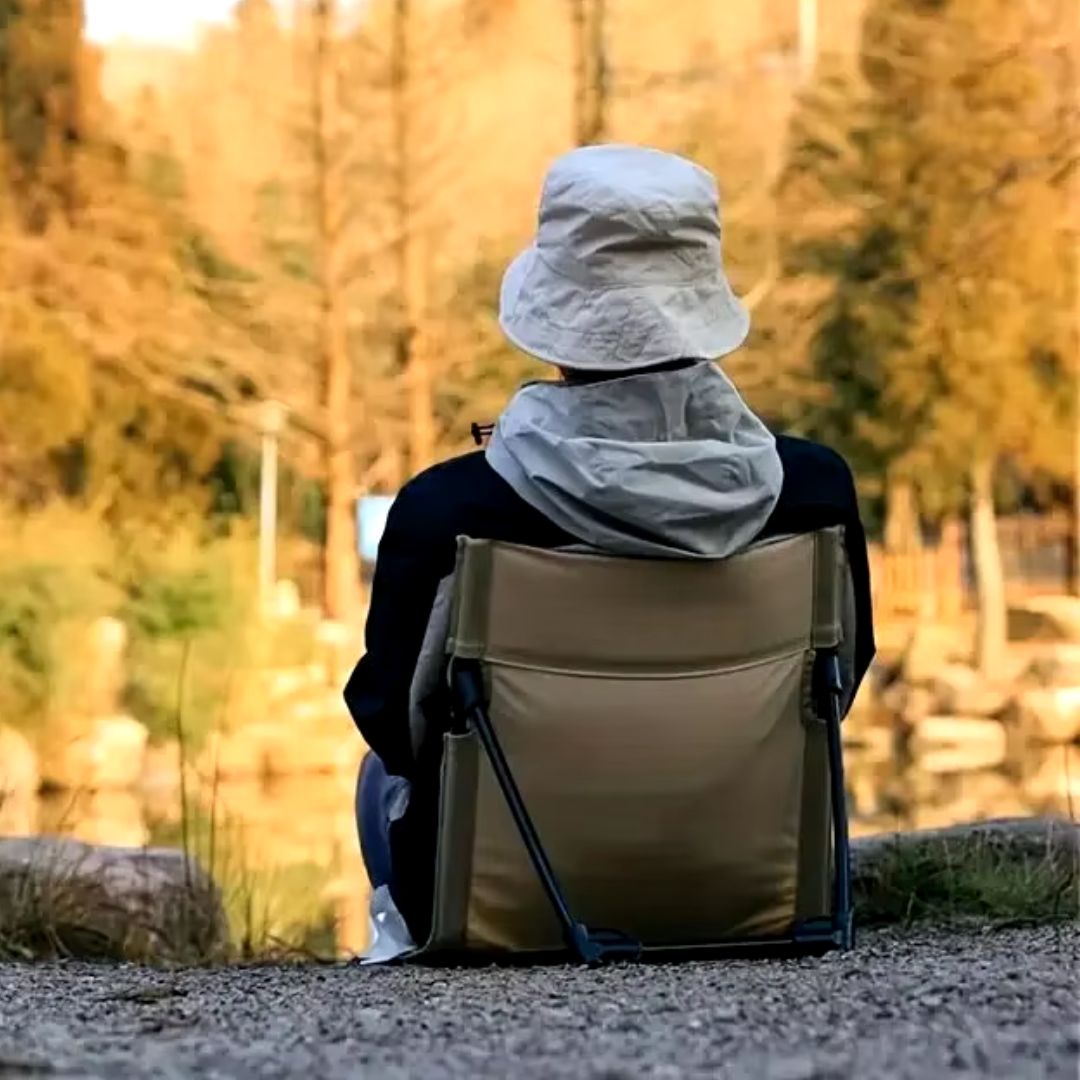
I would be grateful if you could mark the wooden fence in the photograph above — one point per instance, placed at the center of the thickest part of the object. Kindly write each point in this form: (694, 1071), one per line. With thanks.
(938, 579)
(935, 581)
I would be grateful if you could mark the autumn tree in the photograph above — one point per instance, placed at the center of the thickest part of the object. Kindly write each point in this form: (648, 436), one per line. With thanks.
(341, 564)
(922, 201)
(44, 101)
(589, 23)
(127, 349)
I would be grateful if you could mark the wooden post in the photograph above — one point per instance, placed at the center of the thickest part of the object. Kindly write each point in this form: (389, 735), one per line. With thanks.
(991, 621)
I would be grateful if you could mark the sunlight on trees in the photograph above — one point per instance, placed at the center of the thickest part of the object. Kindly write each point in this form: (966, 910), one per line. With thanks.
(317, 209)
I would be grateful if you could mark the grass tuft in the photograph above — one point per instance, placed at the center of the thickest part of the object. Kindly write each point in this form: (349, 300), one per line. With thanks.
(974, 877)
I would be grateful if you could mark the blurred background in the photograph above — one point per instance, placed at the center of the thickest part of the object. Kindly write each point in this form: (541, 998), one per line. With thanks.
(249, 262)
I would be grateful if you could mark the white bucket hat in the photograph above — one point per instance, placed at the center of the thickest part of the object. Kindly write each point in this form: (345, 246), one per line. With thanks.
(626, 270)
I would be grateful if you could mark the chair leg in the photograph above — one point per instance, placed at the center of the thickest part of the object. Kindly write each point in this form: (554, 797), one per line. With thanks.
(843, 916)
(590, 946)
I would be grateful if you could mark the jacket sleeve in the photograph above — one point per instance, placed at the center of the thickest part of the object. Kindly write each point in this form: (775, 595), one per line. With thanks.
(859, 565)
(819, 491)
(410, 564)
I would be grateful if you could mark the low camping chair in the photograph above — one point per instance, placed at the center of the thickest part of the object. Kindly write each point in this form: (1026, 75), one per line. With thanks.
(648, 747)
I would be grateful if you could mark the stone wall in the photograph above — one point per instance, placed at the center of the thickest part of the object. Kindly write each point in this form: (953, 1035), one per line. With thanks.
(933, 740)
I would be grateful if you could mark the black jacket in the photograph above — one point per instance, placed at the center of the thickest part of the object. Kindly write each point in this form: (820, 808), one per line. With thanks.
(466, 497)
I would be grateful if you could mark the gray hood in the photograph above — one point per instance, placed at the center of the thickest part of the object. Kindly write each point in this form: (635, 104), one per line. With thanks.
(663, 464)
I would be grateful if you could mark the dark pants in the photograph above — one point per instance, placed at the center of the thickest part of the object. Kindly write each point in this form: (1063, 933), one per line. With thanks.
(378, 799)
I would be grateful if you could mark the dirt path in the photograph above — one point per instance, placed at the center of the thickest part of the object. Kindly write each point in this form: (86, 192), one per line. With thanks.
(1002, 1004)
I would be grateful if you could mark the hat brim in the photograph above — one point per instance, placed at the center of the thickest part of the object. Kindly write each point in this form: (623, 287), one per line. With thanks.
(621, 328)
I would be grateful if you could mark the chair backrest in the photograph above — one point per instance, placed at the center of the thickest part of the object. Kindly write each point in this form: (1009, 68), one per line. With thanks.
(659, 719)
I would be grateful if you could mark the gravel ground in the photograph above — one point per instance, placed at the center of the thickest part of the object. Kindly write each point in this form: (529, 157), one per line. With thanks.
(1000, 1004)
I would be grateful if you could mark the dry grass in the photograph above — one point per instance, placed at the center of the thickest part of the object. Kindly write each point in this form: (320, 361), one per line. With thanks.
(975, 878)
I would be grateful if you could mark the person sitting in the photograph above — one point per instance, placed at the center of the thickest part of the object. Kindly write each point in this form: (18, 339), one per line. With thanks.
(641, 447)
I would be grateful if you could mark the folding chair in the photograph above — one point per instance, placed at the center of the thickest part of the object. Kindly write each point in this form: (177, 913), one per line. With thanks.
(645, 758)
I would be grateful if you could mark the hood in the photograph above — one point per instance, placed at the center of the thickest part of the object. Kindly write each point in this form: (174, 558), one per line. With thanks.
(665, 464)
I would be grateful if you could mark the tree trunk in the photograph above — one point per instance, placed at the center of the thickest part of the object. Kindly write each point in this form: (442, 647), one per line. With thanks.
(579, 18)
(1071, 96)
(341, 569)
(992, 615)
(589, 26)
(414, 350)
(598, 116)
(901, 518)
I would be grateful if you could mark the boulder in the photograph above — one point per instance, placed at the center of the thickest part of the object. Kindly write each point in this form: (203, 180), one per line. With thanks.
(1024, 837)
(1051, 664)
(103, 669)
(947, 744)
(1048, 714)
(888, 868)
(908, 704)
(60, 897)
(302, 754)
(284, 822)
(19, 773)
(322, 709)
(1053, 784)
(102, 753)
(161, 768)
(931, 647)
(111, 817)
(18, 814)
(238, 754)
(960, 690)
(1046, 618)
(292, 748)
(979, 798)
(870, 744)
(867, 702)
(281, 684)
(338, 647)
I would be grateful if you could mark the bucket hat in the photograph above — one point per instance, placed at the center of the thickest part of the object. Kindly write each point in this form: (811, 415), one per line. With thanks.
(626, 270)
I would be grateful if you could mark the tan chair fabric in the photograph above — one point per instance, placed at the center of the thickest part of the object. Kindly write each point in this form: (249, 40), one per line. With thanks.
(658, 719)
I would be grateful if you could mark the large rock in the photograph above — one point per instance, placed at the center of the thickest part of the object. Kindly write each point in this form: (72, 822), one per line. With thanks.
(908, 704)
(238, 754)
(1048, 714)
(338, 647)
(892, 870)
(931, 647)
(19, 775)
(968, 797)
(162, 765)
(283, 684)
(947, 744)
(1053, 780)
(867, 743)
(960, 690)
(110, 817)
(282, 748)
(103, 668)
(106, 752)
(64, 898)
(1046, 618)
(1052, 838)
(316, 753)
(1052, 664)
